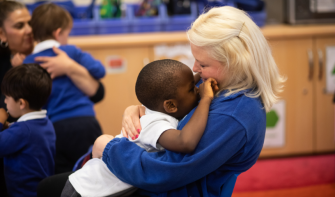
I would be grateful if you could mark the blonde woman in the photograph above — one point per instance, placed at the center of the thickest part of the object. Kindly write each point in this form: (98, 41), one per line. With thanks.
(229, 47)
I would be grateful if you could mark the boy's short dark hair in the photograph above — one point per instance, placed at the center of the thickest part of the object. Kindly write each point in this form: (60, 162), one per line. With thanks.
(158, 81)
(29, 82)
(47, 18)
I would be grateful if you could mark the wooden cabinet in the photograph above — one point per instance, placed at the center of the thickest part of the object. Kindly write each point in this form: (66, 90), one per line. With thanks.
(309, 109)
(324, 108)
(291, 56)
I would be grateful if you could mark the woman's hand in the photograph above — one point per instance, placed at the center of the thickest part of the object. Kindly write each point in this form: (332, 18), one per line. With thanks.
(17, 59)
(100, 144)
(208, 88)
(62, 64)
(58, 65)
(131, 125)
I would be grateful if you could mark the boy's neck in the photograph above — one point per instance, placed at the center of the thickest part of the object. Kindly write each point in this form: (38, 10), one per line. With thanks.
(26, 111)
(46, 40)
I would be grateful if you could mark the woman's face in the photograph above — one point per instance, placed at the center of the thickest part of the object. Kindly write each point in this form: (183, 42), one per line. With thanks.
(17, 32)
(206, 66)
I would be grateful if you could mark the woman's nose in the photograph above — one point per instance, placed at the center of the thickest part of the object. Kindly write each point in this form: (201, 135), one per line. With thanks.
(28, 29)
(195, 68)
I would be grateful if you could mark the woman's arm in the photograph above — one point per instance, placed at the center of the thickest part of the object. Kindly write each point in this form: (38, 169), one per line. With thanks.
(186, 140)
(164, 171)
(99, 95)
(62, 64)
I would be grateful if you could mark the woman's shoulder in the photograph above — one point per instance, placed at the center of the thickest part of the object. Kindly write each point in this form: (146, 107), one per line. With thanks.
(241, 107)
(235, 102)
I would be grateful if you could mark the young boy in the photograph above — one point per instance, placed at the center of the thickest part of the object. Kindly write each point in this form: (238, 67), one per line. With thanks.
(69, 109)
(167, 89)
(28, 145)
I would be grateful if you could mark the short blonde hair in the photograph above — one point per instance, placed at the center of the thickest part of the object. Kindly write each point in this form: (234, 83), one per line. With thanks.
(232, 38)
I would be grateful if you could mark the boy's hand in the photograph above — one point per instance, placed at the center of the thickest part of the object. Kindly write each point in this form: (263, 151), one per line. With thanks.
(3, 116)
(208, 88)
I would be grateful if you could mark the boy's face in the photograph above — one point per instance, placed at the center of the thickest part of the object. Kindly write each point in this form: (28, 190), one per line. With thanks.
(64, 35)
(13, 107)
(187, 93)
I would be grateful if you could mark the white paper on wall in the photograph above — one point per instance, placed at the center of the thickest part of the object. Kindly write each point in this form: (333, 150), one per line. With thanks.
(115, 64)
(330, 69)
(275, 130)
(180, 52)
(322, 6)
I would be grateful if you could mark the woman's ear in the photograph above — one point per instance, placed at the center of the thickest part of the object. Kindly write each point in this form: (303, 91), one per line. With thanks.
(3, 37)
(170, 106)
(56, 33)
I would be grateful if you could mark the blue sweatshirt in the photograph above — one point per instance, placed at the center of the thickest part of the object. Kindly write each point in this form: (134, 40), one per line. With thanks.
(231, 144)
(66, 100)
(28, 149)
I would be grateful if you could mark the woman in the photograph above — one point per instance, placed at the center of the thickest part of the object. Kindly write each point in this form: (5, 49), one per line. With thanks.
(16, 41)
(229, 47)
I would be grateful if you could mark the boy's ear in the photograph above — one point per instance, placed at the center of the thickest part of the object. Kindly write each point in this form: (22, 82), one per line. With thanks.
(170, 106)
(56, 33)
(23, 104)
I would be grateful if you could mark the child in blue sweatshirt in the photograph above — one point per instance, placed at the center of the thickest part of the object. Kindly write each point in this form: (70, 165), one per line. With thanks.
(69, 109)
(28, 145)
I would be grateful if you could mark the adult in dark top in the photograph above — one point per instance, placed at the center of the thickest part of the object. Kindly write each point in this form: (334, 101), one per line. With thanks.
(16, 41)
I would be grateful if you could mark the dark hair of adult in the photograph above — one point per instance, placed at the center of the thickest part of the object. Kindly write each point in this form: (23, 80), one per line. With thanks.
(7, 7)
(29, 82)
(158, 81)
(47, 18)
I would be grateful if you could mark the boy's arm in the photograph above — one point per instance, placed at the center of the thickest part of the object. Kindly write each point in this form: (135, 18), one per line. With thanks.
(13, 139)
(93, 66)
(187, 139)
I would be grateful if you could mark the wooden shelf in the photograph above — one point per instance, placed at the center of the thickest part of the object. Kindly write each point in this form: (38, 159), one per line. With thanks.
(141, 39)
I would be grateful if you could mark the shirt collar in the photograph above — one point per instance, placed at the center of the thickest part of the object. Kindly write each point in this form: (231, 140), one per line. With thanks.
(33, 115)
(47, 44)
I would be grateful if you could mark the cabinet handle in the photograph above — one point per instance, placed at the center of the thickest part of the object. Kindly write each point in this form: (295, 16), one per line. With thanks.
(310, 62)
(320, 63)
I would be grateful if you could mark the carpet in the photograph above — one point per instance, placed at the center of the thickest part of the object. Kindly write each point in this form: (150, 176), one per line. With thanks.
(284, 173)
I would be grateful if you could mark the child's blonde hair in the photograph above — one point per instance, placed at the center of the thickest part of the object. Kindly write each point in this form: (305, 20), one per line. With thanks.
(233, 39)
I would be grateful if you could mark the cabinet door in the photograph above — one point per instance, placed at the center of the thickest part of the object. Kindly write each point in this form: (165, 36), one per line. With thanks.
(120, 85)
(291, 56)
(324, 107)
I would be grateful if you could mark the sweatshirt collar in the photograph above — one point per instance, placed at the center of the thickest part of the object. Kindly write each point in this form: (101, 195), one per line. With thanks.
(33, 115)
(47, 44)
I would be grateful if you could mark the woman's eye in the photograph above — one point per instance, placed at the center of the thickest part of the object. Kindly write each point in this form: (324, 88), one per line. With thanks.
(202, 66)
(19, 26)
